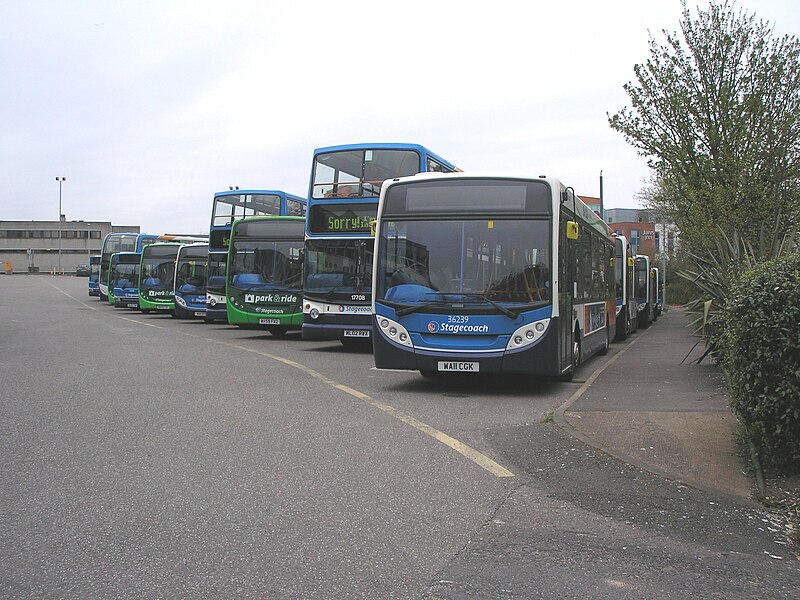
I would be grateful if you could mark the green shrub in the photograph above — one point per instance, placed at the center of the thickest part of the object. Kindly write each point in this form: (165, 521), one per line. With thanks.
(759, 350)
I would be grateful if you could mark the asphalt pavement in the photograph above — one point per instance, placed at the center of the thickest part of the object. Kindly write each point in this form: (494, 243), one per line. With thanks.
(658, 410)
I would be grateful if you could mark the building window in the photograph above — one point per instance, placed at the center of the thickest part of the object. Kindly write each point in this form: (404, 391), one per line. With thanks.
(635, 239)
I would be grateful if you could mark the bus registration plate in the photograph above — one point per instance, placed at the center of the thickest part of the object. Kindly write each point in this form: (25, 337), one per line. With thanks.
(359, 333)
(462, 367)
(269, 322)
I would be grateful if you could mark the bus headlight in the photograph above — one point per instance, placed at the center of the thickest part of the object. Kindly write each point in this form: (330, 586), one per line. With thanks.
(395, 332)
(180, 301)
(211, 301)
(314, 313)
(527, 335)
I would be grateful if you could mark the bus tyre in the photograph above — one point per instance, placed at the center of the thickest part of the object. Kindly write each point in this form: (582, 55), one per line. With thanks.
(145, 311)
(278, 331)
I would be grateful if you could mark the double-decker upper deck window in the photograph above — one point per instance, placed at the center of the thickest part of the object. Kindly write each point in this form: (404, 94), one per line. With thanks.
(237, 206)
(360, 173)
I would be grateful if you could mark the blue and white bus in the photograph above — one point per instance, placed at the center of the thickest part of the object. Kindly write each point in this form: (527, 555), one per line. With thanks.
(624, 280)
(229, 206)
(191, 265)
(123, 280)
(490, 274)
(643, 290)
(94, 275)
(119, 242)
(342, 206)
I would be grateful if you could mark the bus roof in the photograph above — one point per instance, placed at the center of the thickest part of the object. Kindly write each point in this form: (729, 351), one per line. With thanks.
(384, 146)
(270, 192)
(583, 210)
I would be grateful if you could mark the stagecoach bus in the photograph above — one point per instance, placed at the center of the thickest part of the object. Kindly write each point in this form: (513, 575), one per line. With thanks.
(191, 265)
(119, 242)
(227, 207)
(157, 277)
(489, 274)
(265, 273)
(643, 291)
(627, 310)
(123, 282)
(342, 205)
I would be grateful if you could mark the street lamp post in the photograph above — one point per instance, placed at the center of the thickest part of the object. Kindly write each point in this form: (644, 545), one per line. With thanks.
(60, 181)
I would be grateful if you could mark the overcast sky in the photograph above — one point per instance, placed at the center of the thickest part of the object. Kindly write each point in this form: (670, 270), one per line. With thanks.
(148, 108)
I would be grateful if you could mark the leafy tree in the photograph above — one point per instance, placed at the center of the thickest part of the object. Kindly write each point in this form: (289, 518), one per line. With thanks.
(716, 110)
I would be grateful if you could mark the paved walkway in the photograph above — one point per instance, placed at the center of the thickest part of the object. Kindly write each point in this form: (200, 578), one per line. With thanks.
(647, 408)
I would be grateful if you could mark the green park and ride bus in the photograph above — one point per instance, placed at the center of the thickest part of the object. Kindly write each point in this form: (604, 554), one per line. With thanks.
(157, 277)
(227, 207)
(265, 273)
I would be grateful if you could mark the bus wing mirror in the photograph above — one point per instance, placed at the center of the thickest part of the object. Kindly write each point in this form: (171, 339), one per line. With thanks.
(373, 226)
(572, 230)
(630, 261)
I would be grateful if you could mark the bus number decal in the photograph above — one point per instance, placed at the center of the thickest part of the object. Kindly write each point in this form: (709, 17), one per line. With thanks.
(457, 319)
(356, 297)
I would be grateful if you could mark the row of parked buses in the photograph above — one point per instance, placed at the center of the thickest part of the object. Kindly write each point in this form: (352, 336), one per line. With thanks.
(436, 269)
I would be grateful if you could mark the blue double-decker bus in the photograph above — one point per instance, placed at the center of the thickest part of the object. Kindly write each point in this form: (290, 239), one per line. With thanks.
(490, 274)
(229, 206)
(119, 242)
(342, 206)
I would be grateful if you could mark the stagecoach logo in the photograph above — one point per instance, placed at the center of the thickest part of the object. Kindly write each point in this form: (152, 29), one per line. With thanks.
(354, 309)
(270, 298)
(456, 328)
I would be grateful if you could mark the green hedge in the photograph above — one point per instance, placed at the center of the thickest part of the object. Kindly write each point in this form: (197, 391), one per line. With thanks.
(760, 354)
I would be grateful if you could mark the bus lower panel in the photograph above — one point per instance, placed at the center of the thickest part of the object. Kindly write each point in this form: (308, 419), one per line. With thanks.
(541, 359)
(290, 322)
(217, 314)
(126, 303)
(334, 332)
(189, 313)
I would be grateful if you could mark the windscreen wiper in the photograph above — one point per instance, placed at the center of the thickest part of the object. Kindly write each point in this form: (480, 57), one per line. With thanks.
(412, 308)
(506, 311)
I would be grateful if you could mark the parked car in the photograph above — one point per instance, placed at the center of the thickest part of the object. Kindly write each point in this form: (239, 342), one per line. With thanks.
(83, 270)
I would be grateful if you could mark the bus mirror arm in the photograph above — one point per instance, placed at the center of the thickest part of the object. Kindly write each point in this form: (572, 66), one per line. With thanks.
(572, 226)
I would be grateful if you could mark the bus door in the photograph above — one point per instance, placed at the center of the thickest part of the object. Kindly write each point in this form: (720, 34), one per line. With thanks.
(566, 283)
